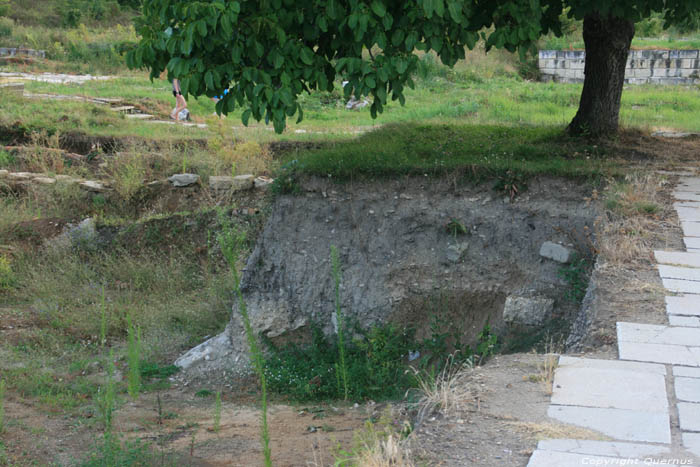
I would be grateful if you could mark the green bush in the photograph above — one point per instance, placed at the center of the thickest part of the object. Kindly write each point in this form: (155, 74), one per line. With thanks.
(4, 7)
(7, 277)
(6, 26)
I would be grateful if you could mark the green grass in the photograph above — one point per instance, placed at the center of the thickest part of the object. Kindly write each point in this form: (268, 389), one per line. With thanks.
(439, 149)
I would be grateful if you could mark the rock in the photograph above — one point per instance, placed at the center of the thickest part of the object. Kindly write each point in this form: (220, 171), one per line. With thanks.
(68, 179)
(220, 182)
(556, 252)
(263, 182)
(243, 182)
(20, 176)
(216, 348)
(83, 236)
(183, 180)
(45, 180)
(455, 252)
(4, 172)
(527, 311)
(93, 186)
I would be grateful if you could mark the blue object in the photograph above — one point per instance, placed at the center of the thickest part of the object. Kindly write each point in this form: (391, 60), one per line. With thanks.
(221, 97)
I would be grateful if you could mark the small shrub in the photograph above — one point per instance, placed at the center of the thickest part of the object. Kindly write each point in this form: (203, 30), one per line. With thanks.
(217, 412)
(287, 179)
(6, 26)
(8, 280)
(71, 18)
(576, 275)
(133, 358)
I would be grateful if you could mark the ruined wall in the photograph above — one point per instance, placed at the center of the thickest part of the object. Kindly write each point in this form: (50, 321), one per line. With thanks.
(643, 66)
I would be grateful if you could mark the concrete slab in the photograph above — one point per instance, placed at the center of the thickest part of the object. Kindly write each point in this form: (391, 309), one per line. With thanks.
(688, 214)
(692, 195)
(614, 387)
(577, 362)
(690, 229)
(688, 184)
(658, 334)
(687, 204)
(686, 321)
(691, 441)
(687, 305)
(678, 258)
(566, 459)
(681, 286)
(687, 389)
(627, 425)
(686, 372)
(692, 242)
(675, 272)
(659, 353)
(689, 415)
(603, 448)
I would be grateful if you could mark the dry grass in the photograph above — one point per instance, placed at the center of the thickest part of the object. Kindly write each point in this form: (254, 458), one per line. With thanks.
(449, 391)
(636, 219)
(541, 431)
(547, 369)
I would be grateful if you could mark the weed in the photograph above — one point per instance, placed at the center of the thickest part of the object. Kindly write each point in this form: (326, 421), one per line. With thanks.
(217, 412)
(287, 179)
(8, 279)
(6, 159)
(576, 274)
(231, 241)
(154, 370)
(106, 398)
(103, 318)
(379, 444)
(487, 343)
(133, 358)
(446, 391)
(455, 227)
(341, 369)
(511, 183)
(204, 393)
(2, 405)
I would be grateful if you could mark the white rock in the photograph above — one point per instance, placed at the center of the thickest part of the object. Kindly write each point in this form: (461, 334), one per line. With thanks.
(93, 186)
(183, 180)
(527, 311)
(220, 182)
(556, 252)
(45, 180)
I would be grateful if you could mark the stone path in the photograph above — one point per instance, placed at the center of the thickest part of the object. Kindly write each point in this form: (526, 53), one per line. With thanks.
(648, 402)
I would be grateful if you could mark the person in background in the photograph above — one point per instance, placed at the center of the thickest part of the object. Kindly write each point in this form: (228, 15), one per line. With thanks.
(180, 102)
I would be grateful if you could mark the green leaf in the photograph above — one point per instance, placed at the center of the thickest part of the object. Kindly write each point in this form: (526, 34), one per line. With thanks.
(331, 9)
(397, 37)
(439, 7)
(388, 20)
(307, 56)
(370, 82)
(246, 116)
(278, 60)
(455, 9)
(379, 8)
(209, 80)
(236, 7)
(202, 28)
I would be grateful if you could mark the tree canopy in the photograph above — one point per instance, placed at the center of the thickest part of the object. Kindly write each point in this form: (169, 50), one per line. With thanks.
(267, 52)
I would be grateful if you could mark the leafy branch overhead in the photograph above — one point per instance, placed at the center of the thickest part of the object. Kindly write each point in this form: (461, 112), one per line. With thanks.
(267, 52)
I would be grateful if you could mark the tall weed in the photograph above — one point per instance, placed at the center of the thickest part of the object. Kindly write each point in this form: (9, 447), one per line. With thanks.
(341, 368)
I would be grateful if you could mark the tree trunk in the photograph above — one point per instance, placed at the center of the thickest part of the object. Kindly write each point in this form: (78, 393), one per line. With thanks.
(607, 43)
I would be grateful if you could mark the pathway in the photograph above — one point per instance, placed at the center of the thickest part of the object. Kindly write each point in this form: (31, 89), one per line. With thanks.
(647, 402)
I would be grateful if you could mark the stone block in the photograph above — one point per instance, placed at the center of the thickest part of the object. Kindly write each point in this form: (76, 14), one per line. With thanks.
(603, 448)
(527, 311)
(642, 73)
(691, 441)
(93, 186)
(659, 353)
(556, 252)
(686, 321)
(45, 180)
(243, 182)
(675, 272)
(691, 229)
(627, 425)
(577, 64)
(678, 258)
(687, 389)
(685, 54)
(220, 182)
(546, 54)
(689, 415)
(693, 73)
(183, 180)
(686, 372)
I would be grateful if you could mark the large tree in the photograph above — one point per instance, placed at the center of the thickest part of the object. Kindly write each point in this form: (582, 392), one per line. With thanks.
(267, 52)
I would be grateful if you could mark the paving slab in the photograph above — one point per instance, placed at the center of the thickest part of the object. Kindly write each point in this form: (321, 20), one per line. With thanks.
(686, 321)
(688, 184)
(615, 386)
(578, 362)
(687, 389)
(681, 286)
(678, 258)
(603, 448)
(691, 441)
(692, 242)
(688, 214)
(627, 425)
(687, 204)
(687, 372)
(658, 334)
(692, 195)
(689, 415)
(566, 459)
(676, 272)
(659, 353)
(687, 305)
(690, 229)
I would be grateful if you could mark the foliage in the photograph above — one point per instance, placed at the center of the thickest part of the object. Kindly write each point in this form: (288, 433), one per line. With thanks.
(217, 412)
(455, 227)
(576, 275)
(268, 53)
(287, 178)
(8, 278)
(2, 405)
(377, 362)
(154, 370)
(4, 8)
